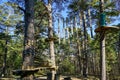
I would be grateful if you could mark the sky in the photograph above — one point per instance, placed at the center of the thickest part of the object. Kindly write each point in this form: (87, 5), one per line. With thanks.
(1, 1)
(64, 14)
(114, 22)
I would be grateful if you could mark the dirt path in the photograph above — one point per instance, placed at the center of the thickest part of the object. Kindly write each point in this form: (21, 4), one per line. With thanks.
(61, 78)
(72, 78)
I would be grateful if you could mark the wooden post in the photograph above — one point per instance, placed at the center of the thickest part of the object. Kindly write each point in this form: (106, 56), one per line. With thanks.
(51, 42)
(102, 47)
(102, 56)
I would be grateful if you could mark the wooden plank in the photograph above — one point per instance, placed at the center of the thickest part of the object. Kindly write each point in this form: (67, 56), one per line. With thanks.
(50, 39)
(49, 68)
(105, 28)
(26, 72)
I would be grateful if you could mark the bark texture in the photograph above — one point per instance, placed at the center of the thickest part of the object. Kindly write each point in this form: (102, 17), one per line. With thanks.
(51, 42)
(28, 53)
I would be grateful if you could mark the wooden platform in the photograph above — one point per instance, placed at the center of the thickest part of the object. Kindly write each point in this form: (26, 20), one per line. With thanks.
(24, 73)
(49, 68)
(106, 28)
(20, 72)
(51, 39)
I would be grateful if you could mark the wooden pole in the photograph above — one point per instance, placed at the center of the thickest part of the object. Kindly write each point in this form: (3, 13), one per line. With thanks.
(102, 48)
(102, 56)
(51, 42)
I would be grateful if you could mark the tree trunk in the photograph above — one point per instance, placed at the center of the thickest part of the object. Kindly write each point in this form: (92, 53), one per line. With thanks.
(5, 55)
(102, 57)
(28, 53)
(119, 54)
(89, 19)
(59, 30)
(85, 65)
(79, 56)
(64, 31)
(51, 42)
(79, 62)
(102, 47)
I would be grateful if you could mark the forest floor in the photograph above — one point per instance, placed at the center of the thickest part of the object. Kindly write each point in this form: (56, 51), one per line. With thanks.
(45, 78)
(60, 78)
(71, 78)
(40, 78)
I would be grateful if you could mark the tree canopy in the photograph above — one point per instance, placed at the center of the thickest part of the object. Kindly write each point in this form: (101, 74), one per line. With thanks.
(42, 33)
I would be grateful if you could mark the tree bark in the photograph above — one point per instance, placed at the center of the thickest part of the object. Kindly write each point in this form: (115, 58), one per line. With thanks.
(102, 47)
(119, 54)
(5, 55)
(64, 31)
(79, 56)
(28, 53)
(90, 25)
(59, 30)
(51, 42)
(102, 57)
(85, 64)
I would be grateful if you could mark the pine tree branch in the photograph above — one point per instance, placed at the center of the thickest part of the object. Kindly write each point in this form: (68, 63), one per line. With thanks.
(21, 8)
(45, 5)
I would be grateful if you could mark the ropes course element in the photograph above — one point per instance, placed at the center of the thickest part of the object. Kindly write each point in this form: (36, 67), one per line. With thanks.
(101, 30)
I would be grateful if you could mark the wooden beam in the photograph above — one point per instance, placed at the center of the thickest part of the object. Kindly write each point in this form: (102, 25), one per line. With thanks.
(106, 28)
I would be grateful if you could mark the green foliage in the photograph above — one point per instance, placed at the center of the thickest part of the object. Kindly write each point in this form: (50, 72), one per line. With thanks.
(15, 48)
(8, 17)
(41, 15)
(67, 66)
(14, 60)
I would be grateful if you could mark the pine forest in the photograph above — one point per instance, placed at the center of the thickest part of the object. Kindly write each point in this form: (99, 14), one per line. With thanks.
(59, 40)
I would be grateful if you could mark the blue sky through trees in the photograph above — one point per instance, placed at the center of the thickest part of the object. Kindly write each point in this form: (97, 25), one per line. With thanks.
(64, 14)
